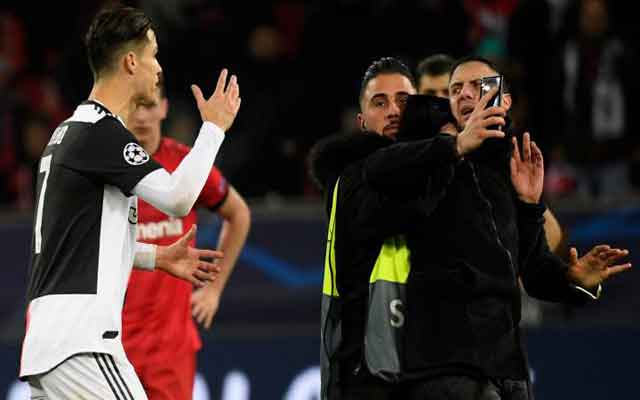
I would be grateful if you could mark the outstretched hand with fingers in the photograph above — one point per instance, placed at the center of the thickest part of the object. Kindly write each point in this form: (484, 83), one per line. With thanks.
(596, 266)
(223, 105)
(186, 262)
(527, 172)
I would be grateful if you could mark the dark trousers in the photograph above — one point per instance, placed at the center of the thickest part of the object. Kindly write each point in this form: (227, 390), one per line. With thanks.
(466, 388)
(440, 388)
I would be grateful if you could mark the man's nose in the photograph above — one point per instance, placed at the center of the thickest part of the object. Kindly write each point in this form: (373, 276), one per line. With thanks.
(137, 117)
(468, 91)
(394, 109)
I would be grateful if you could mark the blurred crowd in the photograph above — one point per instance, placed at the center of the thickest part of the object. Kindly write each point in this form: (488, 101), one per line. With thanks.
(569, 65)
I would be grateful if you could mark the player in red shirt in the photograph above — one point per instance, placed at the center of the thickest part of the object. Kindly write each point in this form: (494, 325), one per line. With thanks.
(159, 334)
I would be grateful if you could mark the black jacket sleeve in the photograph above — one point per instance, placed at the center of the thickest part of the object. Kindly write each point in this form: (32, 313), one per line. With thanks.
(376, 215)
(396, 186)
(543, 274)
(405, 167)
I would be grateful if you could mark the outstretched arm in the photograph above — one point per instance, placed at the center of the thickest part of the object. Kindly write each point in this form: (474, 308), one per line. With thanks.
(545, 275)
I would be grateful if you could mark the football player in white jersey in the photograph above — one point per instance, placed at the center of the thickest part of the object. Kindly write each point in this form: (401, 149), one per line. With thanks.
(84, 246)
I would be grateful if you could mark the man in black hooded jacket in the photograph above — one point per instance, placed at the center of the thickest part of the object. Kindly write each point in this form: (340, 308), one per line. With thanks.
(473, 225)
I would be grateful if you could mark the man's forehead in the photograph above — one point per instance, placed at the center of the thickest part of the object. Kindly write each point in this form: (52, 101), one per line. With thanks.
(471, 71)
(434, 80)
(388, 84)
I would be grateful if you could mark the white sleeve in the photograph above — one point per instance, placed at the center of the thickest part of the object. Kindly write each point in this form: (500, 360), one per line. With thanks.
(175, 194)
(145, 256)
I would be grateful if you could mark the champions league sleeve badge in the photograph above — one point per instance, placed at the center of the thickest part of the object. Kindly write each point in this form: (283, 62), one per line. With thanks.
(134, 154)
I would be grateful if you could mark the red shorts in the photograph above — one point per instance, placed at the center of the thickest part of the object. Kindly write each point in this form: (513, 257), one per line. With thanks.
(170, 380)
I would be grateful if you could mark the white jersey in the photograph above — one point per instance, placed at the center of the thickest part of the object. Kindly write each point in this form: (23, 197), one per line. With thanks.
(83, 239)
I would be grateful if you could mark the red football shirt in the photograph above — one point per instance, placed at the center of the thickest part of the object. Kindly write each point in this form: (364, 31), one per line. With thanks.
(156, 319)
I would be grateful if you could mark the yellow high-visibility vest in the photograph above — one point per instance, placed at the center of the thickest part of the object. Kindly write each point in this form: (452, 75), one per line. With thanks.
(386, 311)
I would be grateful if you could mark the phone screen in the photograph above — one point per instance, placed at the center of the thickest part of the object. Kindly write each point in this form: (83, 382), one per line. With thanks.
(488, 83)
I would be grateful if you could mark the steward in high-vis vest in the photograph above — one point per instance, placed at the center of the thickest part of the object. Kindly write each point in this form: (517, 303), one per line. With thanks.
(366, 264)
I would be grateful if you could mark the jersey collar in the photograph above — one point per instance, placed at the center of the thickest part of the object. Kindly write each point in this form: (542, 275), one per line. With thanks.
(99, 107)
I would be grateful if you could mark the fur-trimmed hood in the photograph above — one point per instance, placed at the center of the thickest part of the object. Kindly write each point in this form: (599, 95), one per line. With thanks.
(331, 155)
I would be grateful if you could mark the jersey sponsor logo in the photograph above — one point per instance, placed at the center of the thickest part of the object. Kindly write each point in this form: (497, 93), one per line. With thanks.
(134, 154)
(160, 229)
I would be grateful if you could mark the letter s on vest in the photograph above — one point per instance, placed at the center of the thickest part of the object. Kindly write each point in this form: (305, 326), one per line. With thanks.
(397, 316)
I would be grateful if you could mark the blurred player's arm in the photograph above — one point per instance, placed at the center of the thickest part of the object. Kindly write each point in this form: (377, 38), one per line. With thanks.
(179, 259)
(556, 237)
(235, 228)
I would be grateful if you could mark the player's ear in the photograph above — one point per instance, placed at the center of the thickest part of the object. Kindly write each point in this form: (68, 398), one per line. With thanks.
(130, 62)
(361, 122)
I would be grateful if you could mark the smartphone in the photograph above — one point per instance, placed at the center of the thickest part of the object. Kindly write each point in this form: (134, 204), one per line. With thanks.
(488, 83)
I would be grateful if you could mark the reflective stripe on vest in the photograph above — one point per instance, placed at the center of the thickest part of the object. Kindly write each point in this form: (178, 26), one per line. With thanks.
(329, 280)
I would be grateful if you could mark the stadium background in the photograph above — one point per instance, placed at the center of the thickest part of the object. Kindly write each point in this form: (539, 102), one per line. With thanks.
(299, 65)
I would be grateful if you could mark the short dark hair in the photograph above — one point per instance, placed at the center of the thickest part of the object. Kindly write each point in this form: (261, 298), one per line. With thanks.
(385, 66)
(485, 61)
(112, 30)
(437, 64)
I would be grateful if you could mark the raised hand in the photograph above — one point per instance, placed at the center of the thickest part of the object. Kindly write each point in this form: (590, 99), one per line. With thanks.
(475, 131)
(186, 262)
(223, 105)
(527, 172)
(596, 266)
